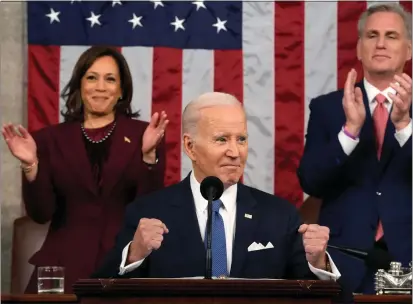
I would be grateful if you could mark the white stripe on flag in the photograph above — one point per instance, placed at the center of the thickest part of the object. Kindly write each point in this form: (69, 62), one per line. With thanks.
(197, 78)
(259, 95)
(320, 55)
(140, 61)
(69, 55)
(371, 3)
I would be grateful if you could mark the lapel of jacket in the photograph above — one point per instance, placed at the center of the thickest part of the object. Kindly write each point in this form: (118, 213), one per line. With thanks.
(73, 151)
(247, 219)
(123, 146)
(367, 131)
(388, 145)
(183, 209)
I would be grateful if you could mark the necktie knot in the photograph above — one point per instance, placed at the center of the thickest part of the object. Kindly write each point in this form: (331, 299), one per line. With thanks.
(381, 99)
(216, 205)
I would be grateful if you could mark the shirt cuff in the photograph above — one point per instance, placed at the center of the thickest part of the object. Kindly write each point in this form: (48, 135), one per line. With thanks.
(325, 275)
(347, 143)
(402, 136)
(125, 269)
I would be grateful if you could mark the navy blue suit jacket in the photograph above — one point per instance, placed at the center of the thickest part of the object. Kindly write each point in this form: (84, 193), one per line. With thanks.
(182, 253)
(357, 190)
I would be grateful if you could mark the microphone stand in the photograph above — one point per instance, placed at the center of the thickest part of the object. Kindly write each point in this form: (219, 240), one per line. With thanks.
(208, 267)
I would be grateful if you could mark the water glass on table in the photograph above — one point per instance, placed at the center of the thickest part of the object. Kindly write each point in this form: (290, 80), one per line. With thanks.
(50, 279)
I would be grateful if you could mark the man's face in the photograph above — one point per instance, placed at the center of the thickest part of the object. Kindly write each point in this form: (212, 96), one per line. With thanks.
(220, 146)
(383, 46)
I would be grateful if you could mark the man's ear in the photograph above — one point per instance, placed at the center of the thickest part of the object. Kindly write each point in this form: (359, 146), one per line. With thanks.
(189, 146)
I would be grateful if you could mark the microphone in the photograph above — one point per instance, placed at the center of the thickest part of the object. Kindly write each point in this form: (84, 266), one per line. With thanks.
(375, 258)
(211, 189)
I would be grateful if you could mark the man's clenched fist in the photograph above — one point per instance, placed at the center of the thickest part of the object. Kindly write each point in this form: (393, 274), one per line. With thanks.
(148, 237)
(315, 239)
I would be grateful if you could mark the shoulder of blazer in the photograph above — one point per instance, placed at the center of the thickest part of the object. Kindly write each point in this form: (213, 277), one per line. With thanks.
(269, 202)
(331, 101)
(136, 124)
(332, 98)
(46, 132)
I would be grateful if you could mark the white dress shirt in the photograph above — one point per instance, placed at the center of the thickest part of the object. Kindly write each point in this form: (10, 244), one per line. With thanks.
(349, 144)
(228, 213)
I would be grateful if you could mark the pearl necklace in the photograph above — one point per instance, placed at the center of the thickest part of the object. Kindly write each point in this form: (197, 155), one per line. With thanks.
(101, 140)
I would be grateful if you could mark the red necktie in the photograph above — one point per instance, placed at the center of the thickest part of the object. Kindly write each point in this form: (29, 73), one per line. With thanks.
(380, 117)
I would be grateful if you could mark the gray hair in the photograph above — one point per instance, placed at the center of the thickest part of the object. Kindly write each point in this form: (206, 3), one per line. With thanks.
(387, 7)
(191, 114)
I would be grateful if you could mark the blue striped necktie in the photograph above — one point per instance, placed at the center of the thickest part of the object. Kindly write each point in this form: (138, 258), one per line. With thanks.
(219, 247)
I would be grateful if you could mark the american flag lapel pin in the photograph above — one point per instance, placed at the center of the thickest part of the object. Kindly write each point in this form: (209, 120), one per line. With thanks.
(126, 139)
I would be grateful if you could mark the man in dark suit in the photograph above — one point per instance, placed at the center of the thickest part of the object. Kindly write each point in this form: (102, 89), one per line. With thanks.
(255, 234)
(358, 157)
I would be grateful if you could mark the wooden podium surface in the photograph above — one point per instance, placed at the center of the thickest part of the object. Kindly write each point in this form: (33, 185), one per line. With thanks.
(171, 291)
(225, 291)
(71, 299)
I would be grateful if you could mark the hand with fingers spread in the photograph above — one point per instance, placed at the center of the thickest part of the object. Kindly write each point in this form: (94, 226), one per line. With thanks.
(353, 105)
(402, 101)
(148, 237)
(315, 239)
(21, 144)
(153, 136)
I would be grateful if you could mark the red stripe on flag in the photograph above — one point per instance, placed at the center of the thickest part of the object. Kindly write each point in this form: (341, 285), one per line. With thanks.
(43, 86)
(407, 5)
(167, 96)
(348, 14)
(408, 67)
(289, 98)
(228, 74)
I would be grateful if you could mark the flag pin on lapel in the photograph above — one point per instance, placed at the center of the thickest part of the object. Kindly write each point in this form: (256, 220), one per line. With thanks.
(127, 139)
(248, 215)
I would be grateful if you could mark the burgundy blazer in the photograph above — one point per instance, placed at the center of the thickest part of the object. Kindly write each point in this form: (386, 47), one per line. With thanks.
(84, 222)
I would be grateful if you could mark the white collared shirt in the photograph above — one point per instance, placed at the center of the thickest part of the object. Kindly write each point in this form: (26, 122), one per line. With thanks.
(402, 136)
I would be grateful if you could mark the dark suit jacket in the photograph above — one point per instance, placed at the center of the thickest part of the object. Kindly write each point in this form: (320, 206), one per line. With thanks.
(182, 253)
(358, 189)
(84, 223)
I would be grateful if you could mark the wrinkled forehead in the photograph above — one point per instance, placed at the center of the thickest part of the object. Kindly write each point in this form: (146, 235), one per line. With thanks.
(227, 119)
(385, 22)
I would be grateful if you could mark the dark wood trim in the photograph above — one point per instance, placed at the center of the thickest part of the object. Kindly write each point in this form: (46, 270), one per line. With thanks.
(389, 299)
(206, 288)
(72, 299)
(38, 298)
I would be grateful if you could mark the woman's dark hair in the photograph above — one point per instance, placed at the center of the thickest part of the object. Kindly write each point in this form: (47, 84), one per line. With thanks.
(72, 93)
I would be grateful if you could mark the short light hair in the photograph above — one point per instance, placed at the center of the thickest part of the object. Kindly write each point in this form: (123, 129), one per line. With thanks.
(386, 7)
(191, 114)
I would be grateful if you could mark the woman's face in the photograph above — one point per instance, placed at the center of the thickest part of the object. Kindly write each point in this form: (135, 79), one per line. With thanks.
(101, 87)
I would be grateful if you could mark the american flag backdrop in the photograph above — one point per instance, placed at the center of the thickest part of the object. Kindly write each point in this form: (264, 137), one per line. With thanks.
(274, 56)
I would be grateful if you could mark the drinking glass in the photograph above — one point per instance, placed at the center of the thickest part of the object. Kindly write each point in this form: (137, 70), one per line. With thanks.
(50, 279)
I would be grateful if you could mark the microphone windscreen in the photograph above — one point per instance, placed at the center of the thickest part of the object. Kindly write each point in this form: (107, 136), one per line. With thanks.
(212, 185)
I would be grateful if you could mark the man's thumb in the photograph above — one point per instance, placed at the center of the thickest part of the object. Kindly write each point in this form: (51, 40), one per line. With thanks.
(303, 228)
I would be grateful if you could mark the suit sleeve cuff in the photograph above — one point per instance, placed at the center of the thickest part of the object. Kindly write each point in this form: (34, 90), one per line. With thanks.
(403, 135)
(125, 269)
(325, 275)
(347, 144)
